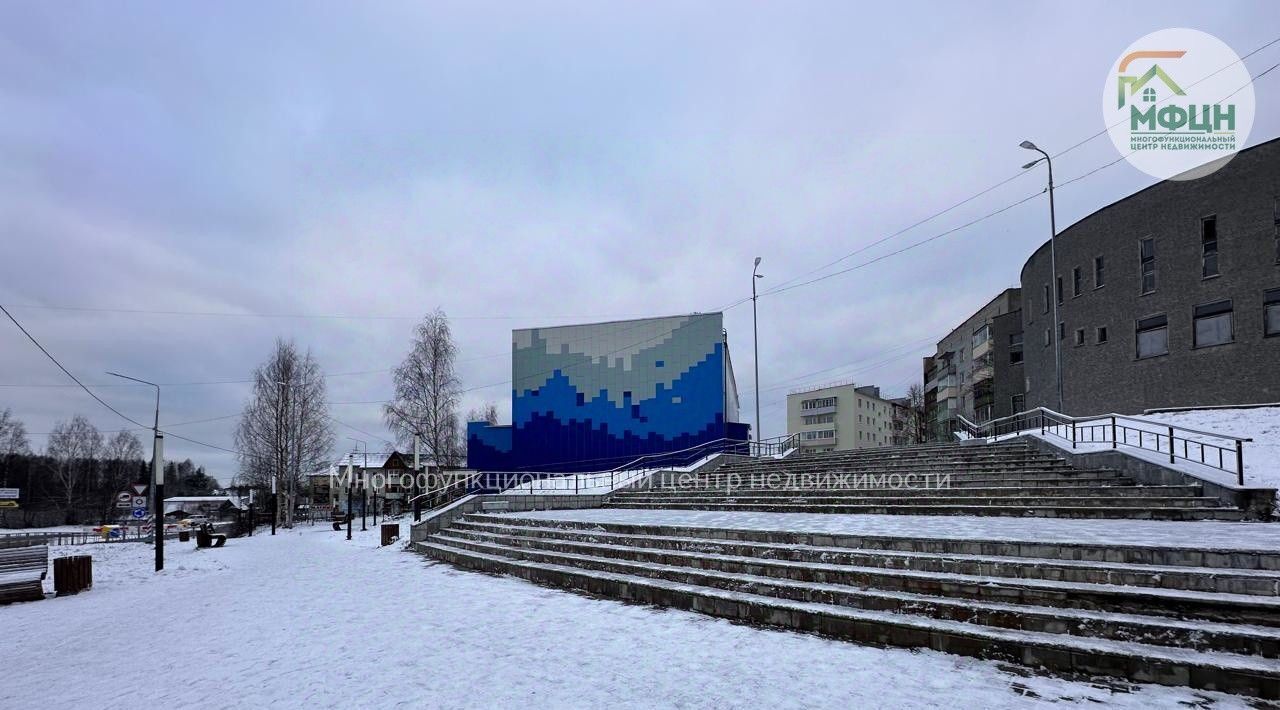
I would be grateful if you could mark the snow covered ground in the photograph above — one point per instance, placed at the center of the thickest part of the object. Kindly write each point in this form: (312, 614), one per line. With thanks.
(307, 619)
(1199, 534)
(1261, 456)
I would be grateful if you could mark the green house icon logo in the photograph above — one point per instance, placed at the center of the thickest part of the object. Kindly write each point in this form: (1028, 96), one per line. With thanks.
(1129, 85)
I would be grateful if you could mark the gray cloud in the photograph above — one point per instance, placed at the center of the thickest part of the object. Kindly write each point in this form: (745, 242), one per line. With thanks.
(525, 165)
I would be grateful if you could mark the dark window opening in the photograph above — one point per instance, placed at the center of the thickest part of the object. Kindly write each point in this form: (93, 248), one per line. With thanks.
(1102, 334)
(1099, 272)
(1059, 285)
(1209, 247)
(1079, 336)
(1075, 281)
(1213, 324)
(1153, 336)
(1271, 312)
(1046, 299)
(1148, 257)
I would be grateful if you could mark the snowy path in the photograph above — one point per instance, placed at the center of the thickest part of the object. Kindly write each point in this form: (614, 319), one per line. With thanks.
(1197, 534)
(307, 619)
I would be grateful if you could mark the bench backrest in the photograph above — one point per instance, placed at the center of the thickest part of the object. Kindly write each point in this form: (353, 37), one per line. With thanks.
(31, 557)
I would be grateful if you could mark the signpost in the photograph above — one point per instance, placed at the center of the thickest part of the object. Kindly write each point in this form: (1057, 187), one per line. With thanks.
(8, 493)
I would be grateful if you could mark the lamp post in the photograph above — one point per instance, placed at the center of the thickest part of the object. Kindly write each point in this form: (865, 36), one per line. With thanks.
(1053, 266)
(364, 492)
(350, 477)
(157, 472)
(755, 333)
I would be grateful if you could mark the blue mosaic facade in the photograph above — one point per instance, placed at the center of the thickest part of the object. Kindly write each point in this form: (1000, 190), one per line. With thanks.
(595, 397)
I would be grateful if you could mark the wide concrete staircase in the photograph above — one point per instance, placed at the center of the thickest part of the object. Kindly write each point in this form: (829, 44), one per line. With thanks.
(1010, 478)
(1208, 619)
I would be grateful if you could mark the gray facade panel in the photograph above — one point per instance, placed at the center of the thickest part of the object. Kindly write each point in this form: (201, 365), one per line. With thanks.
(1108, 376)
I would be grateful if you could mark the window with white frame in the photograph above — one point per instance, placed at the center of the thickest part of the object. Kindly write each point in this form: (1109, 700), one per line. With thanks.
(1153, 336)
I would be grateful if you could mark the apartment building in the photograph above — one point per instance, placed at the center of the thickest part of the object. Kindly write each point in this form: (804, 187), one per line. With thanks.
(839, 417)
(960, 377)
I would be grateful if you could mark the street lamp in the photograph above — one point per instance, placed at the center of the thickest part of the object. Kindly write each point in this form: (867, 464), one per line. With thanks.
(363, 484)
(755, 332)
(157, 472)
(1054, 293)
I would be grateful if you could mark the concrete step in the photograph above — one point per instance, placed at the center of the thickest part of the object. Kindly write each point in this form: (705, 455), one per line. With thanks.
(1179, 604)
(1249, 639)
(1200, 579)
(1062, 653)
(1041, 511)
(1067, 490)
(1189, 555)
(840, 479)
(930, 497)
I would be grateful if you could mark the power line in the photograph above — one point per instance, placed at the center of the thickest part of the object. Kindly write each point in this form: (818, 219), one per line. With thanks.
(75, 379)
(782, 286)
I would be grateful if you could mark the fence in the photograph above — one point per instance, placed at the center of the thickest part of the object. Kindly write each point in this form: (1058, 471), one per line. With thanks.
(1224, 452)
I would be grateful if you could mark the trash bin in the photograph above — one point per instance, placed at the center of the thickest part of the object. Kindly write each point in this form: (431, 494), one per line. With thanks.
(184, 536)
(390, 531)
(73, 574)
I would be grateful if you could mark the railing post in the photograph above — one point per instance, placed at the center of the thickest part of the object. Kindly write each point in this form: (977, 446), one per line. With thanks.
(1170, 444)
(1073, 435)
(1113, 432)
(1240, 462)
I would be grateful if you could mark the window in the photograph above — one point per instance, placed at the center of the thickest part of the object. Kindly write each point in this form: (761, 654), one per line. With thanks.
(1099, 272)
(1153, 336)
(1015, 347)
(1213, 324)
(1018, 402)
(1062, 331)
(1046, 299)
(818, 403)
(1275, 217)
(1059, 285)
(1075, 281)
(1047, 339)
(1102, 334)
(1271, 312)
(819, 419)
(1209, 247)
(1079, 336)
(981, 335)
(1147, 252)
(818, 435)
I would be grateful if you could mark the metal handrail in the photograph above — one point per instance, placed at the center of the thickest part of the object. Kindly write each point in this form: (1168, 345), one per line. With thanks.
(538, 480)
(1119, 434)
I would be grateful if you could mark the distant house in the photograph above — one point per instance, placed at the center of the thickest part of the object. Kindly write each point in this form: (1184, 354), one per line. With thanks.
(212, 506)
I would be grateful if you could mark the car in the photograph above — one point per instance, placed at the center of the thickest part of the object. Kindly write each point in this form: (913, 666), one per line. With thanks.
(194, 521)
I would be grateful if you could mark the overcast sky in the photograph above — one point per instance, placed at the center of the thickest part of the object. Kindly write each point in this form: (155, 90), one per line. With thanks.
(526, 164)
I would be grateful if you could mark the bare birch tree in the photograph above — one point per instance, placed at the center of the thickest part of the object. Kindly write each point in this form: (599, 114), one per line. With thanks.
(13, 442)
(427, 393)
(284, 431)
(73, 448)
(122, 460)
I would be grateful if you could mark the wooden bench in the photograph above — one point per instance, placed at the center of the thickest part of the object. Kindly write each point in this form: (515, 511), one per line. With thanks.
(495, 506)
(22, 572)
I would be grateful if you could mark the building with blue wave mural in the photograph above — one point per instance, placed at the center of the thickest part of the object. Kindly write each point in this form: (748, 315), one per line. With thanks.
(597, 396)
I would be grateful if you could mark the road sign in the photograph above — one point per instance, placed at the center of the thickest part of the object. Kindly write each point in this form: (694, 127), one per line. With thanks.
(139, 513)
(140, 488)
(139, 501)
(8, 493)
(11, 504)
